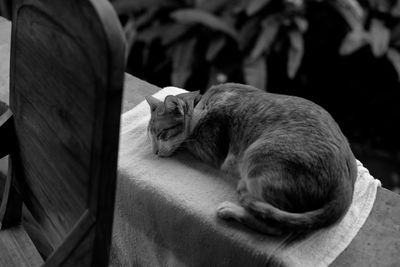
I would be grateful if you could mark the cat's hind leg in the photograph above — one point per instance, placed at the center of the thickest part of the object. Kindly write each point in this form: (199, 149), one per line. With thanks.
(228, 210)
(230, 165)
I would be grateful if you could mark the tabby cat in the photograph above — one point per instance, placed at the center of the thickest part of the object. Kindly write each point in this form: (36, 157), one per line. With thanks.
(295, 167)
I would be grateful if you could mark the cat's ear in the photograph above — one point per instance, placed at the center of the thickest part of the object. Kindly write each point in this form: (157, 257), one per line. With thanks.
(153, 102)
(175, 104)
(195, 97)
(191, 98)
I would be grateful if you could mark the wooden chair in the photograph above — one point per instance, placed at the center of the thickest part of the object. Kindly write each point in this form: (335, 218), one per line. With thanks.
(62, 130)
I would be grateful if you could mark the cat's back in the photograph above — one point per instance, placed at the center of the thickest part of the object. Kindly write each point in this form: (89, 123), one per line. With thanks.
(229, 93)
(253, 112)
(255, 104)
(240, 95)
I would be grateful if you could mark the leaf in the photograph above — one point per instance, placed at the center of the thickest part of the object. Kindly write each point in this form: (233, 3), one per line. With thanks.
(192, 15)
(394, 57)
(268, 33)
(296, 51)
(395, 12)
(182, 56)
(148, 35)
(395, 35)
(255, 5)
(127, 6)
(248, 33)
(211, 5)
(301, 23)
(240, 6)
(353, 41)
(215, 46)
(382, 6)
(351, 11)
(379, 37)
(296, 4)
(174, 32)
(354, 7)
(255, 72)
(146, 17)
(130, 35)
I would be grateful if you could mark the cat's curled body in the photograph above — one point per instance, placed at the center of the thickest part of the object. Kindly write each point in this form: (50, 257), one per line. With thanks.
(295, 168)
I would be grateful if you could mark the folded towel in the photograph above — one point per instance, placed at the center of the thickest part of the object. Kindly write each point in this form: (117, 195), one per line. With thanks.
(165, 213)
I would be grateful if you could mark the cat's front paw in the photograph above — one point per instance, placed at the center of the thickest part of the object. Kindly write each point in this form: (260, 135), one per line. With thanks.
(229, 210)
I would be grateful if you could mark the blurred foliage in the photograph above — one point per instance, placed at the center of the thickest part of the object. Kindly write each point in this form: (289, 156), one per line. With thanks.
(378, 27)
(342, 54)
(233, 39)
(5, 8)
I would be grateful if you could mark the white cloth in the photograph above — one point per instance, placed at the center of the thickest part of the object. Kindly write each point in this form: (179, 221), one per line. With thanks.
(165, 212)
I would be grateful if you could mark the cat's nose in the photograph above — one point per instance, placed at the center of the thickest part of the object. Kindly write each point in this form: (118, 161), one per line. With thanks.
(155, 151)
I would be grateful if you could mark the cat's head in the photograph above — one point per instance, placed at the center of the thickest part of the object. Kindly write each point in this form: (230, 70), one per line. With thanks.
(169, 123)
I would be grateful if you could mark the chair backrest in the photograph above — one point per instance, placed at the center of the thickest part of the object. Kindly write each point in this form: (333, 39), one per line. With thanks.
(66, 79)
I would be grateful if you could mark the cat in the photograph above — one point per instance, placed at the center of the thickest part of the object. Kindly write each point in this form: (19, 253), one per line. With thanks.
(295, 167)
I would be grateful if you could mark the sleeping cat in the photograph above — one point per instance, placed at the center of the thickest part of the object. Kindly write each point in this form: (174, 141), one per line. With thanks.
(295, 168)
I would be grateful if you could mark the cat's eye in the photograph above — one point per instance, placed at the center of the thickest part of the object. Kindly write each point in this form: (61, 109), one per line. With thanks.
(169, 132)
(162, 135)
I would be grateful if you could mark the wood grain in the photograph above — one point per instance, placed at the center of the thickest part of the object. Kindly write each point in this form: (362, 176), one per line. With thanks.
(82, 254)
(74, 238)
(106, 140)
(54, 115)
(66, 79)
(35, 232)
(17, 250)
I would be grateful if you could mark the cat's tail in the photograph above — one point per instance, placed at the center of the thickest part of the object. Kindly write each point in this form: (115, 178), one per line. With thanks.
(324, 216)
